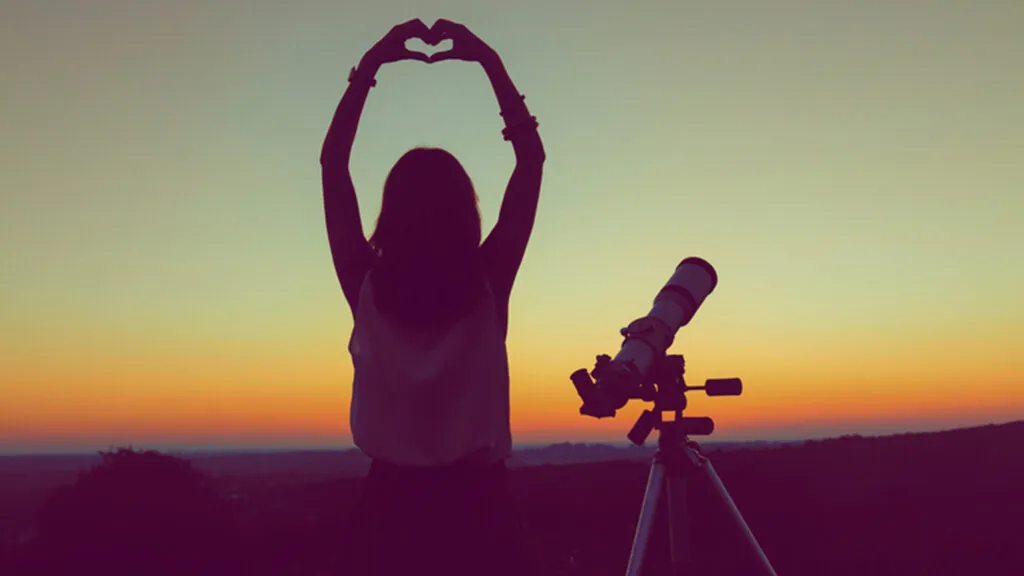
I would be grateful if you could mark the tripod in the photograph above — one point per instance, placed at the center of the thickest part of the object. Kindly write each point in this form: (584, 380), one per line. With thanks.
(679, 467)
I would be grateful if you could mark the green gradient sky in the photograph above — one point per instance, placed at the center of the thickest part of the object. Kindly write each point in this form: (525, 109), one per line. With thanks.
(853, 170)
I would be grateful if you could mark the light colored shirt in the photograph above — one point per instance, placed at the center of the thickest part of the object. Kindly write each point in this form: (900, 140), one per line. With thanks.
(430, 399)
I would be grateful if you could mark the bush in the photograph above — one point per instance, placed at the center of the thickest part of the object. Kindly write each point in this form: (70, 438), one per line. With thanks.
(136, 513)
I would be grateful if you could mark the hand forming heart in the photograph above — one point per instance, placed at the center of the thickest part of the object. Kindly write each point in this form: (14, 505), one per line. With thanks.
(421, 46)
(464, 44)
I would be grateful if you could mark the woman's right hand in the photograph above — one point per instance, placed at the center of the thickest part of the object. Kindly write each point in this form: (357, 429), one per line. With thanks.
(465, 45)
(391, 48)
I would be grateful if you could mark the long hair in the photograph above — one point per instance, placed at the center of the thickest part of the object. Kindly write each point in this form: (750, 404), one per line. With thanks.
(427, 240)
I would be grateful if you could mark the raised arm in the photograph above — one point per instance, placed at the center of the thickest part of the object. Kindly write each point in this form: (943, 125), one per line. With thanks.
(349, 248)
(505, 246)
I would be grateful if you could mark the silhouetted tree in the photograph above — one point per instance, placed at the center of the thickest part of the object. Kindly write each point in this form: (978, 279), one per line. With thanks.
(136, 512)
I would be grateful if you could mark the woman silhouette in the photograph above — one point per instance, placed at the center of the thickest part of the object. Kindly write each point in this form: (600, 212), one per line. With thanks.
(430, 396)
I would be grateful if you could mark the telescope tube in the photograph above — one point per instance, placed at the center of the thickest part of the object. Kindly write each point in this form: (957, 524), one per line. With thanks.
(648, 338)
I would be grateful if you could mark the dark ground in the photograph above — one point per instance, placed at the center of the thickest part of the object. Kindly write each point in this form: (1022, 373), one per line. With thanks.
(936, 503)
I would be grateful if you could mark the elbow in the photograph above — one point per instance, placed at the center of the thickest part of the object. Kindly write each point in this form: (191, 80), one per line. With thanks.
(531, 152)
(334, 154)
(328, 150)
(333, 168)
(327, 158)
(541, 155)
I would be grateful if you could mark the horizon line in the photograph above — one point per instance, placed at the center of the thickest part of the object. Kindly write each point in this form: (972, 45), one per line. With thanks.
(517, 446)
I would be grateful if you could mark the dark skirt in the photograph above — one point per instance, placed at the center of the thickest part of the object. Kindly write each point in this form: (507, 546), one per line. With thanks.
(458, 519)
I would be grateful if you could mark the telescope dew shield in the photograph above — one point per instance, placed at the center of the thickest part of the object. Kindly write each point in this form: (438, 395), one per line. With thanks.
(684, 292)
(649, 337)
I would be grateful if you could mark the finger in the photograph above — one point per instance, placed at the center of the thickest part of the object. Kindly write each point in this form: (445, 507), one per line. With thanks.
(413, 22)
(413, 55)
(444, 27)
(416, 28)
(446, 55)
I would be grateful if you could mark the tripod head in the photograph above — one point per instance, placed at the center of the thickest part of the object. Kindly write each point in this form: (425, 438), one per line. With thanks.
(666, 388)
(642, 369)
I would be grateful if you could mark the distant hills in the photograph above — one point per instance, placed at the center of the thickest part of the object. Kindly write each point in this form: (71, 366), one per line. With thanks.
(312, 464)
(48, 470)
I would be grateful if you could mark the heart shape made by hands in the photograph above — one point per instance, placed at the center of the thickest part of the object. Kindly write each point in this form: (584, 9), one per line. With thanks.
(428, 46)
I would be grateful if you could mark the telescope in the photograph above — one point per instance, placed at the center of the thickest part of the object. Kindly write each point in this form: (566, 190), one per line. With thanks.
(644, 370)
(629, 374)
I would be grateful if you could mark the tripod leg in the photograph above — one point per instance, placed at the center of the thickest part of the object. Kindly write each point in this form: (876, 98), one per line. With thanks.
(655, 486)
(764, 566)
(677, 523)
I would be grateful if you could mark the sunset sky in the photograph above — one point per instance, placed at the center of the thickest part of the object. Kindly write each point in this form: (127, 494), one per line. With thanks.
(853, 170)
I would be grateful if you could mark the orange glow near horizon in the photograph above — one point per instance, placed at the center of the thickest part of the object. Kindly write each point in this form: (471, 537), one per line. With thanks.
(228, 401)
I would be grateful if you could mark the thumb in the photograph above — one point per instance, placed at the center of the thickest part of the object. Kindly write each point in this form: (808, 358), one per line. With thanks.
(413, 55)
(445, 55)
